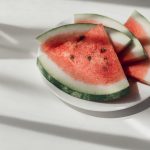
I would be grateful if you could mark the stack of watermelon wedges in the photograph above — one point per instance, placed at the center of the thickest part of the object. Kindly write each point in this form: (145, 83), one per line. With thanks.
(93, 58)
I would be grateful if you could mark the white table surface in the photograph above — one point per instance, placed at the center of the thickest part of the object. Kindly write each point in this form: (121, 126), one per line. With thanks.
(31, 117)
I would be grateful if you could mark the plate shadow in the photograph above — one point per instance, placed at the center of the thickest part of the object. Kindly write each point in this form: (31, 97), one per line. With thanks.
(18, 42)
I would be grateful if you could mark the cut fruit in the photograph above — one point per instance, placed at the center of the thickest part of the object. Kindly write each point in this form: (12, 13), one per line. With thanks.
(140, 71)
(82, 63)
(140, 27)
(134, 50)
(119, 40)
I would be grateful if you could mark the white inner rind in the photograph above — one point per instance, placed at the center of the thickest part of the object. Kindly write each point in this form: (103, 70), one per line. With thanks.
(56, 72)
(137, 49)
(64, 29)
(118, 37)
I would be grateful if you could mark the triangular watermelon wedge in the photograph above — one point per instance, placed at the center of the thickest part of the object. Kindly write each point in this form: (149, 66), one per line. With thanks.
(140, 27)
(80, 60)
(134, 51)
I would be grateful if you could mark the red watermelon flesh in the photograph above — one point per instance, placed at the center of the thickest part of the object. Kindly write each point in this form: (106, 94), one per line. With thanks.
(87, 21)
(118, 46)
(125, 56)
(140, 71)
(89, 57)
(139, 26)
(139, 32)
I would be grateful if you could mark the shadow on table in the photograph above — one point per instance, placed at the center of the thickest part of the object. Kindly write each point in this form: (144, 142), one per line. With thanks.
(99, 138)
(22, 86)
(18, 42)
(142, 3)
(119, 113)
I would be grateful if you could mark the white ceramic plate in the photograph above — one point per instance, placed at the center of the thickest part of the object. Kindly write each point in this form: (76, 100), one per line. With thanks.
(139, 92)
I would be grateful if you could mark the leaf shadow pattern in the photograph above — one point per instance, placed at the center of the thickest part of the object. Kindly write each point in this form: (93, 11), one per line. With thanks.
(18, 42)
(143, 3)
(21, 85)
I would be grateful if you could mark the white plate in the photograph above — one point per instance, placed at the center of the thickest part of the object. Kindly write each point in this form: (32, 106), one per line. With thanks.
(139, 92)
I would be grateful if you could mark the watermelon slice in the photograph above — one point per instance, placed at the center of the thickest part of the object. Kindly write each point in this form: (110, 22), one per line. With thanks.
(80, 60)
(139, 71)
(140, 27)
(133, 52)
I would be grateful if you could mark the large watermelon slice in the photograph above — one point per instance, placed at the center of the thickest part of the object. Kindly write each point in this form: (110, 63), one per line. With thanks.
(80, 60)
(133, 52)
(140, 27)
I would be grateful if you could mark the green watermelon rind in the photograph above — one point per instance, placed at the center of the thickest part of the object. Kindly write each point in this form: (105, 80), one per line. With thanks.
(81, 95)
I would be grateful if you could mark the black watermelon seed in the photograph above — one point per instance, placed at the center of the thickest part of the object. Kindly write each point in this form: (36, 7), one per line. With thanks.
(89, 58)
(103, 50)
(72, 57)
(81, 37)
(105, 58)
